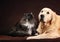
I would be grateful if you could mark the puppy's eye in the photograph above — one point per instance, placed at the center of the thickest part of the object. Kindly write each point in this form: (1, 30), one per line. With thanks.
(47, 12)
(41, 11)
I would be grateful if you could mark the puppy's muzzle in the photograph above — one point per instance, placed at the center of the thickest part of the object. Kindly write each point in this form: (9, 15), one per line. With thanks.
(42, 17)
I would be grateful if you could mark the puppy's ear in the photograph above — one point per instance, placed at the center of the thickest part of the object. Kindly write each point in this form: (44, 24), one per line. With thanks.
(53, 17)
(39, 29)
(39, 17)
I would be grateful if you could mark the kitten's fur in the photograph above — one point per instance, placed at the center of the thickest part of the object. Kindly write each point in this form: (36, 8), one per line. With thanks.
(26, 26)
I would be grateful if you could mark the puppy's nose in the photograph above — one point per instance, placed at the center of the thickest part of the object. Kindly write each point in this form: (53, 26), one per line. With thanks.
(42, 17)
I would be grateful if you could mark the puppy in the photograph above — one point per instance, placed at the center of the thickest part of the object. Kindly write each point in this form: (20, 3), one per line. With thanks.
(49, 25)
(26, 26)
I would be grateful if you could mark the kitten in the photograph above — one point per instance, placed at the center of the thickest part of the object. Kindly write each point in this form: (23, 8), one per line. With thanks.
(26, 26)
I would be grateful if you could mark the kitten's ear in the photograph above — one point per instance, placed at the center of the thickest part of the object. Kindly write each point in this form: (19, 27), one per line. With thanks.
(24, 13)
(31, 13)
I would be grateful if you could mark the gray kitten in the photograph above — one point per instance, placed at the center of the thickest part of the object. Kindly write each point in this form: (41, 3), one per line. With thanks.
(26, 26)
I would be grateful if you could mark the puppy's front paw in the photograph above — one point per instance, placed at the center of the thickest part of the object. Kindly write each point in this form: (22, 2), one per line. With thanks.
(28, 38)
(32, 37)
(36, 34)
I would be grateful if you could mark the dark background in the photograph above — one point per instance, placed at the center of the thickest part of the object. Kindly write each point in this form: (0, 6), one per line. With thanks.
(11, 11)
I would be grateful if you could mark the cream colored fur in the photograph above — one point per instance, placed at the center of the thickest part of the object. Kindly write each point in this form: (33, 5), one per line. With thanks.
(51, 28)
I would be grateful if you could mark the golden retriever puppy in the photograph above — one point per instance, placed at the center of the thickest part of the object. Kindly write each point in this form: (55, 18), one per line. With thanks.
(49, 26)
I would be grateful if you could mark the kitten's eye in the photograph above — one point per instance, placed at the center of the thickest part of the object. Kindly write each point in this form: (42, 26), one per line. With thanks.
(47, 12)
(24, 19)
(41, 11)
